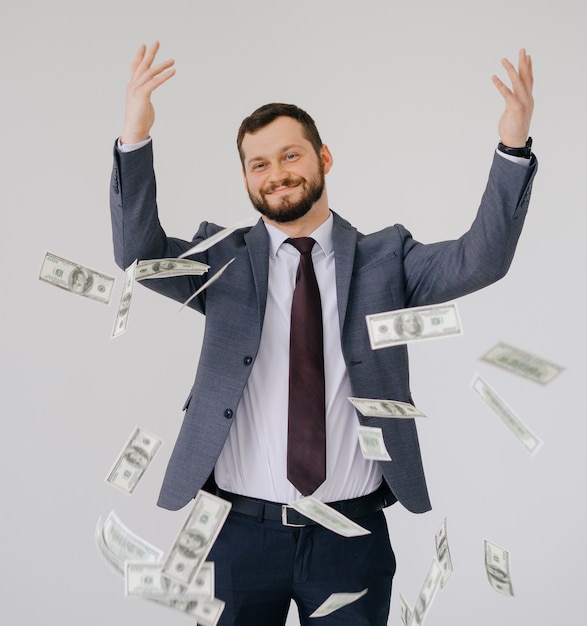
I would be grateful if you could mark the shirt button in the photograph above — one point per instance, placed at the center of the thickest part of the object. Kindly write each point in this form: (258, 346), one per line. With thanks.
(228, 414)
(248, 360)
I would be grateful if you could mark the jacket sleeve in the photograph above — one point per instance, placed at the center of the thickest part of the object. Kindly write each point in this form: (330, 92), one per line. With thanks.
(136, 230)
(450, 269)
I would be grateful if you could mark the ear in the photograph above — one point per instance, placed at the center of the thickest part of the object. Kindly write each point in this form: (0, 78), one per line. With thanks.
(245, 181)
(326, 157)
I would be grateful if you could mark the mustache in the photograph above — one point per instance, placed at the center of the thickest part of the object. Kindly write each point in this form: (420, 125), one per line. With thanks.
(286, 182)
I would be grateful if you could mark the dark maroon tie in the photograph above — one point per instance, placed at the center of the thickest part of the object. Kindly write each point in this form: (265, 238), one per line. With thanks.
(306, 435)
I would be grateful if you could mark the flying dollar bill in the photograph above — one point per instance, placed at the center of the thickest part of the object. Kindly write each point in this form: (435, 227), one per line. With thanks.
(405, 610)
(370, 407)
(196, 537)
(146, 580)
(443, 553)
(205, 611)
(523, 363)
(76, 278)
(219, 236)
(117, 544)
(121, 321)
(372, 443)
(133, 460)
(529, 440)
(207, 283)
(328, 517)
(393, 328)
(336, 601)
(427, 594)
(168, 268)
(497, 566)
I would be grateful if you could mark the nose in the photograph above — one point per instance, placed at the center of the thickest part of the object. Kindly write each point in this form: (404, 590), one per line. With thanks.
(277, 173)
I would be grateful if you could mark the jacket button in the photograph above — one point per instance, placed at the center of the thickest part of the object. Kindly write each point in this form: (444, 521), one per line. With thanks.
(228, 414)
(248, 360)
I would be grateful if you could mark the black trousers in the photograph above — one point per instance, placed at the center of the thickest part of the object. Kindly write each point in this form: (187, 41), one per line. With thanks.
(261, 566)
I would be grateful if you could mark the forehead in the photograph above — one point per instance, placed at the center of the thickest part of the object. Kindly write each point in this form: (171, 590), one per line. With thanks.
(281, 132)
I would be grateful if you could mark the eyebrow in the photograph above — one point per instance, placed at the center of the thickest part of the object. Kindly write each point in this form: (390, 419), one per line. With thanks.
(280, 151)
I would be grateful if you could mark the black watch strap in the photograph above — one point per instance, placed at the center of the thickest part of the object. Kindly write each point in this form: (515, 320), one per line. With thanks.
(525, 152)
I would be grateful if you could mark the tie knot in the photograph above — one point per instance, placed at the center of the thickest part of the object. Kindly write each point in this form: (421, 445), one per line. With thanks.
(302, 244)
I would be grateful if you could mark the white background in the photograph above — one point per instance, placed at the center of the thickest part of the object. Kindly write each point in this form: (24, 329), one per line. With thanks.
(401, 93)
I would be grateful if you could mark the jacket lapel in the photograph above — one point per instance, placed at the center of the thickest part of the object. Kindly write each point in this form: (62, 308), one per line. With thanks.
(344, 238)
(257, 242)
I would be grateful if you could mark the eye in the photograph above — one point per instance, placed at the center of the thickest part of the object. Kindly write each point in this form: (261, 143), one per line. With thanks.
(258, 166)
(290, 156)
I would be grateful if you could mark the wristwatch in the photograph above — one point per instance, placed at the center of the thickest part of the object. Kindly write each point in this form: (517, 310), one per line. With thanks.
(525, 152)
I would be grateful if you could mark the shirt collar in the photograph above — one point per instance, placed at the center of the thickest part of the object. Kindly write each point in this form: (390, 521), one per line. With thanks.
(322, 235)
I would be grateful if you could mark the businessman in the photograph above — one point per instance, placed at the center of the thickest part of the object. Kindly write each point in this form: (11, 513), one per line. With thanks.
(267, 420)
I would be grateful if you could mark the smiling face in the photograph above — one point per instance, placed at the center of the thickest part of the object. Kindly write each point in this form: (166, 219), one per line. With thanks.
(283, 175)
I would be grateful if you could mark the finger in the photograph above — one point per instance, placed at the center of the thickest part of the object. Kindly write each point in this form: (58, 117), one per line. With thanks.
(151, 52)
(161, 78)
(138, 58)
(530, 70)
(147, 59)
(502, 87)
(525, 68)
(518, 86)
(147, 77)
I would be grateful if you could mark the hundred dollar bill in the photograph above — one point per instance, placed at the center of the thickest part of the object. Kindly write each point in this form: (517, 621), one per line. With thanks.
(121, 321)
(443, 553)
(147, 581)
(405, 610)
(76, 278)
(413, 324)
(530, 441)
(427, 594)
(167, 268)
(118, 544)
(196, 537)
(372, 443)
(523, 363)
(328, 517)
(219, 236)
(133, 460)
(205, 611)
(336, 601)
(114, 563)
(369, 407)
(208, 283)
(497, 566)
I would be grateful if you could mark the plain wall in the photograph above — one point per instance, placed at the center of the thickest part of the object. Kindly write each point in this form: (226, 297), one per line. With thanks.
(401, 93)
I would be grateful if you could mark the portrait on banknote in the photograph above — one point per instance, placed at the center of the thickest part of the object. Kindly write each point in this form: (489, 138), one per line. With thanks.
(392, 408)
(137, 457)
(80, 281)
(408, 324)
(190, 543)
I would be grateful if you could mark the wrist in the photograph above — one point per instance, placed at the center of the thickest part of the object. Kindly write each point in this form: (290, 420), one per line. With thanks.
(131, 135)
(525, 151)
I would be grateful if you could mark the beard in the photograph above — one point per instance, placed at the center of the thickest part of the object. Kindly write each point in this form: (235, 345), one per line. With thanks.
(287, 210)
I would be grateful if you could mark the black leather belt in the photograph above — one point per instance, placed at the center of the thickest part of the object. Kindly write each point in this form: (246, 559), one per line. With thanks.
(265, 510)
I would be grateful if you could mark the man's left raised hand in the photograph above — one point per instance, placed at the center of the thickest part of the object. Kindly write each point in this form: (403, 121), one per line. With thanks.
(514, 124)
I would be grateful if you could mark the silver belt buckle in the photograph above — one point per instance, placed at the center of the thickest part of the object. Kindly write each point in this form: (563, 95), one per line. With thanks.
(284, 521)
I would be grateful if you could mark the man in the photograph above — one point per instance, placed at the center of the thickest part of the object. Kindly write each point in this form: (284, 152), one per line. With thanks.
(234, 440)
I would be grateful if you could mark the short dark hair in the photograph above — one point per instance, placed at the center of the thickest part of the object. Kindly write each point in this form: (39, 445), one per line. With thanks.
(264, 115)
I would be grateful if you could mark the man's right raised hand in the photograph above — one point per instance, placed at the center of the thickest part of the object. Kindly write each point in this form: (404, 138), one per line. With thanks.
(144, 79)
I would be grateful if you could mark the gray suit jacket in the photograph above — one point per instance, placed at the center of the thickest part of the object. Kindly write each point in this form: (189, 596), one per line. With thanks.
(374, 273)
